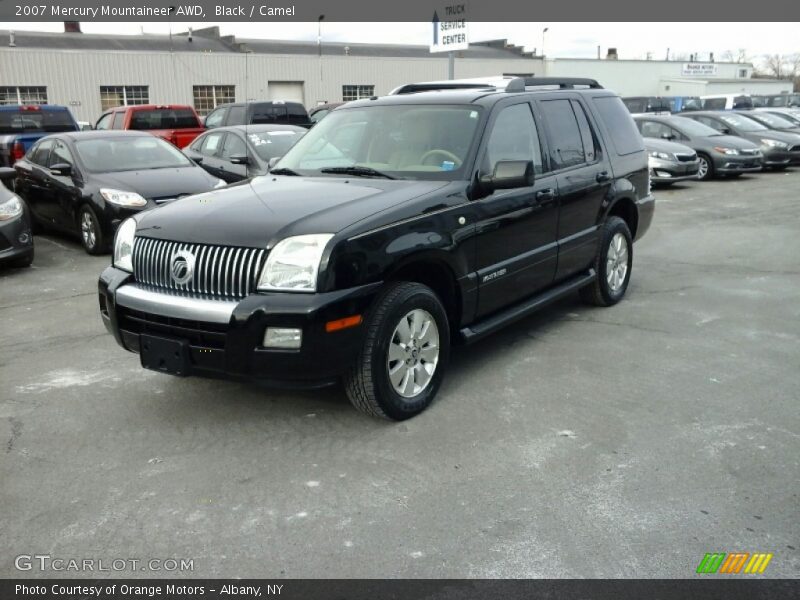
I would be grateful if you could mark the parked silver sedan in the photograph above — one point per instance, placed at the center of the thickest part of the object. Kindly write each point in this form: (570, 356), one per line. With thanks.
(670, 162)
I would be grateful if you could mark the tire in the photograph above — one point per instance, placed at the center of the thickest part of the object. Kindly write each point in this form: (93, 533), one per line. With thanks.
(602, 292)
(704, 174)
(369, 385)
(92, 239)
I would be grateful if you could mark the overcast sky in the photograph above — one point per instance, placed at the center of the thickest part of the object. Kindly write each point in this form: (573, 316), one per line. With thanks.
(633, 40)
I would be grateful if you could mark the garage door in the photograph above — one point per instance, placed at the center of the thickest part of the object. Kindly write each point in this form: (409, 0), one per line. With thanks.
(290, 91)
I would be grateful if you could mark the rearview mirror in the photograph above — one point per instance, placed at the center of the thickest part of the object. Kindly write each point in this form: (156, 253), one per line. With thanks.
(509, 174)
(272, 162)
(62, 169)
(240, 159)
(7, 173)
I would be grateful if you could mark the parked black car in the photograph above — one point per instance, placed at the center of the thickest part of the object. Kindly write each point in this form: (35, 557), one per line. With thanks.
(87, 182)
(670, 162)
(718, 154)
(447, 216)
(780, 148)
(269, 112)
(243, 151)
(16, 239)
(318, 113)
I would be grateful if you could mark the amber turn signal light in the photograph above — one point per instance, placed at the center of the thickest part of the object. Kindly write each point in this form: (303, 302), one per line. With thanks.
(340, 324)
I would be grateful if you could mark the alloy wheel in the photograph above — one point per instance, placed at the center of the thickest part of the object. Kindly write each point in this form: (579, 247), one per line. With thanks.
(617, 262)
(413, 353)
(88, 230)
(702, 168)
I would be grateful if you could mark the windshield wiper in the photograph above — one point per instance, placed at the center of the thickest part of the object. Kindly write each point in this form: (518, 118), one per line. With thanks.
(284, 171)
(357, 171)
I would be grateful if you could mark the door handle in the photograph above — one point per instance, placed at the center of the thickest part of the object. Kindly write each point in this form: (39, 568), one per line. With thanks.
(545, 194)
(602, 177)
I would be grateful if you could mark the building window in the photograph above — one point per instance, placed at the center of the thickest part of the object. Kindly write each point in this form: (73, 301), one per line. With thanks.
(123, 95)
(356, 92)
(743, 73)
(208, 97)
(23, 95)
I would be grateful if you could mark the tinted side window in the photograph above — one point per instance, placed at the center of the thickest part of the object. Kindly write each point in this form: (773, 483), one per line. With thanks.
(653, 129)
(236, 115)
(211, 144)
(60, 155)
(234, 145)
(216, 117)
(711, 123)
(624, 136)
(514, 137)
(566, 147)
(41, 153)
(591, 147)
(714, 103)
(119, 119)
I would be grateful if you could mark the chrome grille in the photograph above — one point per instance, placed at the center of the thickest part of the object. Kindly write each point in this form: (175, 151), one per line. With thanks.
(219, 271)
(749, 151)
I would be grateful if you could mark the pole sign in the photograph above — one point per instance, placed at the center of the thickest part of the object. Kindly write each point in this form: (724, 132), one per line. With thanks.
(450, 28)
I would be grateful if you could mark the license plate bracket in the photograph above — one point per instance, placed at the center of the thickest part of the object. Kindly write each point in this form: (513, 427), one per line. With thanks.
(165, 355)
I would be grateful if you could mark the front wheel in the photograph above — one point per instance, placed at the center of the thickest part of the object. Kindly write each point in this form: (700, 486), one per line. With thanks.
(91, 233)
(705, 168)
(406, 347)
(612, 264)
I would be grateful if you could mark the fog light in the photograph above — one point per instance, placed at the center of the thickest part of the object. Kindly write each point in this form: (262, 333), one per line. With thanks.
(283, 337)
(664, 174)
(24, 237)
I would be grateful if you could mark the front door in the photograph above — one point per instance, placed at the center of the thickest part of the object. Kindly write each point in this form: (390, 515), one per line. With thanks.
(516, 228)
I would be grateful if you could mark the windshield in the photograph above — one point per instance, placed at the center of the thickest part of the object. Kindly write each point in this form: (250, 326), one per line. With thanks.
(406, 141)
(742, 123)
(273, 143)
(107, 155)
(35, 121)
(692, 128)
(774, 121)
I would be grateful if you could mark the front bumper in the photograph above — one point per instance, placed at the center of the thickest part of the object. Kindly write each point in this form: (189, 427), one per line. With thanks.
(775, 157)
(225, 338)
(725, 164)
(16, 240)
(663, 171)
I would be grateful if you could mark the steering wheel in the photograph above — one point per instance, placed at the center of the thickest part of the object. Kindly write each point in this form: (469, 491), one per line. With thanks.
(439, 152)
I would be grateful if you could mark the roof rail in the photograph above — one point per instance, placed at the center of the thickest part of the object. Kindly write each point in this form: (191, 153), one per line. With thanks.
(413, 88)
(520, 84)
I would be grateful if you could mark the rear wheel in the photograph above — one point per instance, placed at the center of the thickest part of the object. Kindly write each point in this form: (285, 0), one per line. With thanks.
(612, 264)
(705, 170)
(404, 356)
(91, 234)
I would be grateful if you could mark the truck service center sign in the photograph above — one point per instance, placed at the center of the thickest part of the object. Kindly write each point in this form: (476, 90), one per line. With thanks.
(450, 28)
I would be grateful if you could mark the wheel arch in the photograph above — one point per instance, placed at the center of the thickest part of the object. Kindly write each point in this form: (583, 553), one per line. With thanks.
(625, 208)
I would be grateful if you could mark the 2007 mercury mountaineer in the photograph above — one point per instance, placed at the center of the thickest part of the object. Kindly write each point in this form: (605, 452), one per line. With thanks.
(395, 226)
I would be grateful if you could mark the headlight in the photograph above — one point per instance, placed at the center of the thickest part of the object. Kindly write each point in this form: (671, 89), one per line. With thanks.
(774, 144)
(661, 155)
(728, 151)
(123, 245)
(120, 198)
(220, 183)
(10, 209)
(293, 264)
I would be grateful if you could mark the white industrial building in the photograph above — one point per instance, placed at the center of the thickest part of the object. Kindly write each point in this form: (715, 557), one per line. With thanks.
(90, 72)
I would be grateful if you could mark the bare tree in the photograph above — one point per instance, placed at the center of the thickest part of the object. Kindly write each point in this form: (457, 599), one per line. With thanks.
(781, 66)
(737, 56)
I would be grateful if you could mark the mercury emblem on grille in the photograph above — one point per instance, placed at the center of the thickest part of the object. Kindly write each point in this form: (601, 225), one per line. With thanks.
(182, 267)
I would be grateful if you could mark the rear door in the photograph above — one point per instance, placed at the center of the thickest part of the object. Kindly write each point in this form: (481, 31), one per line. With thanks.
(210, 151)
(233, 145)
(515, 229)
(34, 184)
(583, 173)
(65, 192)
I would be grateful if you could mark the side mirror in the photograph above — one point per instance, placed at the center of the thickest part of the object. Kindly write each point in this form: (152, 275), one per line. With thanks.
(240, 159)
(509, 174)
(725, 130)
(667, 136)
(62, 169)
(7, 174)
(197, 159)
(272, 162)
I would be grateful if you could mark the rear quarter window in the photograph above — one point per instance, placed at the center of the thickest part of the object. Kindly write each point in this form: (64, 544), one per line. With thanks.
(625, 137)
(164, 118)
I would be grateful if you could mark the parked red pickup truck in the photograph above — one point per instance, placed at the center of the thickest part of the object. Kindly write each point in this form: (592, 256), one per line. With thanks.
(176, 123)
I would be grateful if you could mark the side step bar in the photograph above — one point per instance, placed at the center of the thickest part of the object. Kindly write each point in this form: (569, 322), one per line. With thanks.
(499, 320)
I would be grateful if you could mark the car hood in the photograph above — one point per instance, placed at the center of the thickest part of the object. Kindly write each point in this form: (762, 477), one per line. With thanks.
(659, 145)
(780, 136)
(158, 183)
(259, 212)
(727, 141)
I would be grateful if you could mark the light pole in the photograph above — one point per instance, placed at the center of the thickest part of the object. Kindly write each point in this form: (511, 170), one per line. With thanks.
(543, 32)
(319, 48)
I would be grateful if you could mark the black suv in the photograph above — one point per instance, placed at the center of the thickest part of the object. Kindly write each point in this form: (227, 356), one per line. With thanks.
(265, 113)
(395, 226)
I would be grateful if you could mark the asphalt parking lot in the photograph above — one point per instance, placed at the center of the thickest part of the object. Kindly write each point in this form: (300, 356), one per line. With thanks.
(582, 442)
